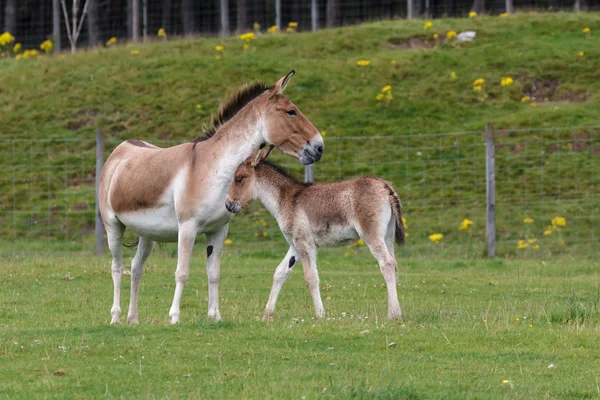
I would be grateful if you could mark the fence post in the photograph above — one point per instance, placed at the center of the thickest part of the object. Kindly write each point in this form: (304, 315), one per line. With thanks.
(490, 182)
(409, 9)
(56, 24)
(99, 165)
(309, 173)
(509, 7)
(135, 20)
(278, 14)
(145, 20)
(577, 6)
(224, 6)
(314, 15)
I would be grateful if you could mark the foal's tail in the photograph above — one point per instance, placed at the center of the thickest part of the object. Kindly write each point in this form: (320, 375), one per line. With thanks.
(397, 211)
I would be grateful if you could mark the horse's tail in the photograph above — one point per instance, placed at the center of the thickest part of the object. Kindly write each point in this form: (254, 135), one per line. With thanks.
(397, 211)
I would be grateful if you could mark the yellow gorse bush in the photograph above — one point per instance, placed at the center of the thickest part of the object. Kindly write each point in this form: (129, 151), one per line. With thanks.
(17, 48)
(293, 25)
(559, 222)
(111, 41)
(427, 25)
(273, 29)
(247, 37)
(28, 54)
(451, 35)
(521, 244)
(472, 14)
(506, 81)
(161, 33)
(46, 46)
(6, 38)
(503, 15)
(363, 63)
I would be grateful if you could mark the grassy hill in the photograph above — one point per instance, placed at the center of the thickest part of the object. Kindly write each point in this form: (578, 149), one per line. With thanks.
(169, 88)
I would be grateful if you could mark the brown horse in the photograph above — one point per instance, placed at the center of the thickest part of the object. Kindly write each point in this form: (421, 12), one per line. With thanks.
(323, 215)
(175, 193)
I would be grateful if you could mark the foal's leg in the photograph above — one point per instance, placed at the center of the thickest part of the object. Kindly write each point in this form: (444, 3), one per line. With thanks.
(389, 269)
(144, 249)
(114, 234)
(185, 244)
(213, 270)
(281, 274)
(308, 254)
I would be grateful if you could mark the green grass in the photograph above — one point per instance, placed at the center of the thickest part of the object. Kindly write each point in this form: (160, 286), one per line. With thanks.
(460, 337)
(47, 190)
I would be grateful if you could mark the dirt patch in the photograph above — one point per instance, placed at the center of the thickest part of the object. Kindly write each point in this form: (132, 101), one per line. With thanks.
(413, 43)
(542, 89)
(582, 141)
(570, 96)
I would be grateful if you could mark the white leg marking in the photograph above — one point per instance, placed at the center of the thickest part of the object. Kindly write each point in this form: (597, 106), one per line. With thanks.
(213, 270)
(185, 245)
(144, 249)
(114, 233)
(282, 272)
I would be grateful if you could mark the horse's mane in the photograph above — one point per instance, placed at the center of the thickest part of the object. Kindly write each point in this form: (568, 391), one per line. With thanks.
(281, 171)
(232, 106)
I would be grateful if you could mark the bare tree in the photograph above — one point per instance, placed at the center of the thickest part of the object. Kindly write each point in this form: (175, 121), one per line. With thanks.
(77, 21)
(10, 16)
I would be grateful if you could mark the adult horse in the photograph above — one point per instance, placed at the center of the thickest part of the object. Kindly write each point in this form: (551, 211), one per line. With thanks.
(172, 194)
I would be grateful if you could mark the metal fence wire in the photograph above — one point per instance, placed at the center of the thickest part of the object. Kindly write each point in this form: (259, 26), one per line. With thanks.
(547, 192)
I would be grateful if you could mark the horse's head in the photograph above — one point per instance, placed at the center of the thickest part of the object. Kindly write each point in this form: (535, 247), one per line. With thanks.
(241, 190)
(288, 129)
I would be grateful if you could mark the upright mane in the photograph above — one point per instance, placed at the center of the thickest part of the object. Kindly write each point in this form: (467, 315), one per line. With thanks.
(232, 106)
(281, 171)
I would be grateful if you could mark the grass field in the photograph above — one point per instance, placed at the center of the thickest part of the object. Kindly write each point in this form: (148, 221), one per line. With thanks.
(472, 329)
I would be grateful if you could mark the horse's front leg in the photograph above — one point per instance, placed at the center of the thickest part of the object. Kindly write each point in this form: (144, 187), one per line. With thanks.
(282, 272)
(185, 244)
(213, 270)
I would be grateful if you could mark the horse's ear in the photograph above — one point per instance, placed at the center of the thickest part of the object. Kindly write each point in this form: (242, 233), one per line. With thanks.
(280, 85)
(261, 155)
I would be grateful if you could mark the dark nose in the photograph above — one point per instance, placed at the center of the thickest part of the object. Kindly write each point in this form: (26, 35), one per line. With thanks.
(319, 151)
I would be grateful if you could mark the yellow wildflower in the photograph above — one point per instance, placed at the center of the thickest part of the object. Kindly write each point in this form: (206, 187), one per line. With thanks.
(323, 133)
(535, 247)
(19, 57)
(521, 244)
(386, 88)
(479, 82)
(293, 25)
(506, 81)
(228, 241)
(161, 33)
(30, 53)
(388, 97)
(256, 27)
(559, 222)
(6, 38)
(346, 254)
(363, 63)
(135, 52)
(290, 30)
(360, 242)
(404, 223)
(586, 30)
(273, 29)
(505, 381)
(217, 58)
(111, 41)
(379, 97)
(436, 36)
(246, 37)
(503, 15)
(517, 319)
(46, 46)
(436, 237)
(472, 14)
(465, 225)
(427, 25)
(528, 220)
(530, 325)
(393, 62)
(532, 241)
(525, 99)
(219, 48)
(534, 105)
(581, 54)
(17, 48)
(548, 231)
(246, 47)
(451, 35)
(452, 75)
(198, 106)
(477, 88)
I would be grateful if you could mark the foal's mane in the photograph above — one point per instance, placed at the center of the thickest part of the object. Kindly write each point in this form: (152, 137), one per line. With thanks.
(281, 171)
(232, 106)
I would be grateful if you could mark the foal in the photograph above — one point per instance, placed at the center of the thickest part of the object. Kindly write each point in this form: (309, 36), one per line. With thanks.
(323, 215)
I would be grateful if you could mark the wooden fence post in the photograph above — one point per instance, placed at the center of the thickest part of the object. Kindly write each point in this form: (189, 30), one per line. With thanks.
(99, 165)
(490, 181)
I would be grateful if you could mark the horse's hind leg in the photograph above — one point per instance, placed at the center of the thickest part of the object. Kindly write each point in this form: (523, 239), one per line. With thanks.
(281, 274)
(114, 233)
(308, 255)
(389, 270)
(144, 249)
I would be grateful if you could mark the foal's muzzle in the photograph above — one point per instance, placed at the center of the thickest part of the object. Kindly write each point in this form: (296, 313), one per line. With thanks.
(313, 151)
(232, 206)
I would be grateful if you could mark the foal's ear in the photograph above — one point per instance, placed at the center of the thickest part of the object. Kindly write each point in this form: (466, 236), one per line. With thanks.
(261, 155)
(282, 83)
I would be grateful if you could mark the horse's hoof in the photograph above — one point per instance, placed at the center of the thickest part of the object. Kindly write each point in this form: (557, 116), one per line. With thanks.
(115, 321)
(132, 321)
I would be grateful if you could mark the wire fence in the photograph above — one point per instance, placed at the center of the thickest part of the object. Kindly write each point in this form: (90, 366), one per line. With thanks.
(33, 21)
(47, 192)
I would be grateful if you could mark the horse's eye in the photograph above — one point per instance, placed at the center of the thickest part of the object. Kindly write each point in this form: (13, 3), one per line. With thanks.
(239, 180)
(291, 113)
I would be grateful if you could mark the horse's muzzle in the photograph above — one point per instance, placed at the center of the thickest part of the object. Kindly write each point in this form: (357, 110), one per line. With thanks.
(232, 206)
(313, 151)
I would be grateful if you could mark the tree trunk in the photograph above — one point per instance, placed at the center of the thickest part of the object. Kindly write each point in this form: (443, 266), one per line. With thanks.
(332, 13)
(242, 16)
(92, 22)
(166, 15)
(56, 24)
(10, 16)
(187, 17)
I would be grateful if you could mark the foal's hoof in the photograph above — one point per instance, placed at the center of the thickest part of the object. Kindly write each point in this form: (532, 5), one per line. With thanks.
(115, 321)
(267, 317)
(393, 316)
(132, 320)
(174, 319)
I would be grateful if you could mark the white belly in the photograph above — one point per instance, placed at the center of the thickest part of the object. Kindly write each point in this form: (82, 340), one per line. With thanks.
(159, 224)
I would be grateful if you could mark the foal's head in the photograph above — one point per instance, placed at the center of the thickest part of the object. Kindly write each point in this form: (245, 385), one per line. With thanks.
(241, 190)
(288, 129)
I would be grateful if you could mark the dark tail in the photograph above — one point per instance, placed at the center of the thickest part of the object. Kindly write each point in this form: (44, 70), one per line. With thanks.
(397, 210)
